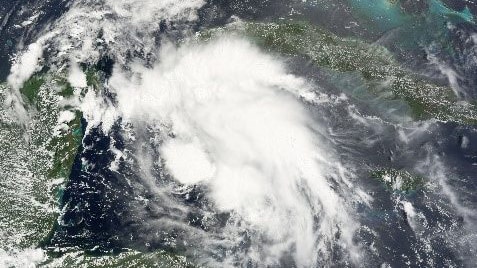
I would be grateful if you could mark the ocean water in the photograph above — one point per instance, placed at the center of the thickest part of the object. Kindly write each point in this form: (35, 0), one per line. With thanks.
(231, 155)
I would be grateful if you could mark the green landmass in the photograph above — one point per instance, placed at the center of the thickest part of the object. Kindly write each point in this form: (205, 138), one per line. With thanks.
(398, 180)
(373, 62)
(382, 76)
(37, 156)
(31, 88)
(36, 163)
(128, 259)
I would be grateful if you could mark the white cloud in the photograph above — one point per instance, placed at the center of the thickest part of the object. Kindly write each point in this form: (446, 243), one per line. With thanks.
(21, 258)
(240, 129)
(238, 125)
(25, 65)
(187, 161)
(97, 111)
(65, 117)
(76, 77)
(88, 27)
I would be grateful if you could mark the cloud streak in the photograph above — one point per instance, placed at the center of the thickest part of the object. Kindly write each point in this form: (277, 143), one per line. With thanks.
(233, 122)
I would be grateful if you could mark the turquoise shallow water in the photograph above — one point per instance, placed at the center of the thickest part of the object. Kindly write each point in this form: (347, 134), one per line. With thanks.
(382, 14)
(438, 8)
(432, 38)
(102, 213)
(386, 14)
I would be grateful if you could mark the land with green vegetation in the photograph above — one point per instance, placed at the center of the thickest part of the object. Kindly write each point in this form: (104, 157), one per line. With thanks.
(398, 180)
(37, 154)
(130, 259)
(382, 77)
